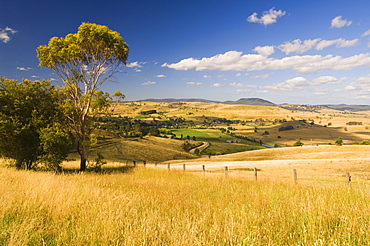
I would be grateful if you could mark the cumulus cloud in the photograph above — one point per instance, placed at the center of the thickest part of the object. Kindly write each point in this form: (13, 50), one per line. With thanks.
(160, 76)
(6, 33)
(237, 61)
(149, 83)
(217, 85)
(234, 84)
(298, 46)
(267, 18)
(24, 68)
(206, 76)
(367, 33)
(359, 85)
(264, 50)
(263, 76)
(137, 70)
(300, 82)
(338, 22)
(134, 64)
(193, 84)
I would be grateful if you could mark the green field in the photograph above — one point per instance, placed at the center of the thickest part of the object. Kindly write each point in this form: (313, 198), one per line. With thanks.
(218, 140)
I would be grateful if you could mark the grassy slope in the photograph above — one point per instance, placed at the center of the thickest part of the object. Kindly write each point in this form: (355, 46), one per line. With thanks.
(151, 149)
(153, 207)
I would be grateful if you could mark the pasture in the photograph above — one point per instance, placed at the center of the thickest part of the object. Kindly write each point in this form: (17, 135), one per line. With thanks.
(154, 206)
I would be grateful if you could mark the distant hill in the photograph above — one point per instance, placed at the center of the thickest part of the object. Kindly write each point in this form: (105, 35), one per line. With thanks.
(251, 101)
(242, 101)
(171, 100)
(354, 108)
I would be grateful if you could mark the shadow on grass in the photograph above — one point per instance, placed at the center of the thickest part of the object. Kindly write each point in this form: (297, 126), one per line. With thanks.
(104, 170)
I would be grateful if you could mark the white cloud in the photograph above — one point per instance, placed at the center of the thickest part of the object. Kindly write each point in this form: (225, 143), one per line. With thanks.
(264, 50)
(5, 34)
(149, 83)
(234, 84)
(338, 22)
(134, 64)
(236, 61)
(297, 46)
(263, 76)
(193, 84)
(137, 70)
(24, 68)
(342, 43)
(367, 33)
(360, 84)
(298, 83)
(206, 76)
(34, 76)
(267, 18)
(217, 85)
(160, 76)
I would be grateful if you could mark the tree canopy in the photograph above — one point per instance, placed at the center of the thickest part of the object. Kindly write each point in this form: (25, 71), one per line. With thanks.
(84, 61)
(30, 118)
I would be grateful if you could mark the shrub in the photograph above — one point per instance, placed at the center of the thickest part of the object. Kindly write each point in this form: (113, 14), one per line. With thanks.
(286, 128)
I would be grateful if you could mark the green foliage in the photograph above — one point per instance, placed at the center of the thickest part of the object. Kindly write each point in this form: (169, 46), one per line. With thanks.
(339, 141)
(84, 61)
(365, 142)
(29, 116)
(298, 143)
(55, 145)
(99, 162)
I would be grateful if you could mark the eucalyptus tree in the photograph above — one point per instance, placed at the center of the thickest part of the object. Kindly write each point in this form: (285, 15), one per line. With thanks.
(84, 61)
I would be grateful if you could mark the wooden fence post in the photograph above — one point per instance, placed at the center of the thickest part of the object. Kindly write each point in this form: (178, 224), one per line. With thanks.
(255, 173)
(134, 163)
(184, 167)
(204, 169)
(155, 164)
(295, 175)
(348, 178)
(144, 162)
(169, 166)
(226, 171)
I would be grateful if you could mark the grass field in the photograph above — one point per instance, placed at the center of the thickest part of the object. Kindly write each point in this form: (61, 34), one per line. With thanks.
(157, 207)
(218, 140)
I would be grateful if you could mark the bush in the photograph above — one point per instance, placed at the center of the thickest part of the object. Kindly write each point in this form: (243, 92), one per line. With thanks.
(286, 128)
(298, 143)
(365, 142)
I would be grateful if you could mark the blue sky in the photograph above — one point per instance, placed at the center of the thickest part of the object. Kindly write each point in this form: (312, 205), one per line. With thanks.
(300, 52)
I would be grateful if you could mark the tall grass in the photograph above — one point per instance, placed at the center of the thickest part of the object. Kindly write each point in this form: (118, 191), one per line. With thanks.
(158, 207)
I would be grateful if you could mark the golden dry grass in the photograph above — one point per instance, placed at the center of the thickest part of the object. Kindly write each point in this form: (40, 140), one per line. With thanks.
(322, 164)
(154, 207)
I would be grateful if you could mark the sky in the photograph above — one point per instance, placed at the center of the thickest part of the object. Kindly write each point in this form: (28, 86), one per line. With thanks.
(285, 51)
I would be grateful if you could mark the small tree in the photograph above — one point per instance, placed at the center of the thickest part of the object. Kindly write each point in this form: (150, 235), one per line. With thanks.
(298, 143)
(84, 61)
(339, 141)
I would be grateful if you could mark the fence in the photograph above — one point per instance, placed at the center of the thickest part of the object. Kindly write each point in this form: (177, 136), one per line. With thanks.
(226, 170)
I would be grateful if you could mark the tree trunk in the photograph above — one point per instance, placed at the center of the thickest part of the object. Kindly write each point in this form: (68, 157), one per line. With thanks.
(82, 151)
(82, 164)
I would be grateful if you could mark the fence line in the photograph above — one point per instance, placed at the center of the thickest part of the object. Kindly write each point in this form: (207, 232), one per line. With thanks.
(226, 170)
